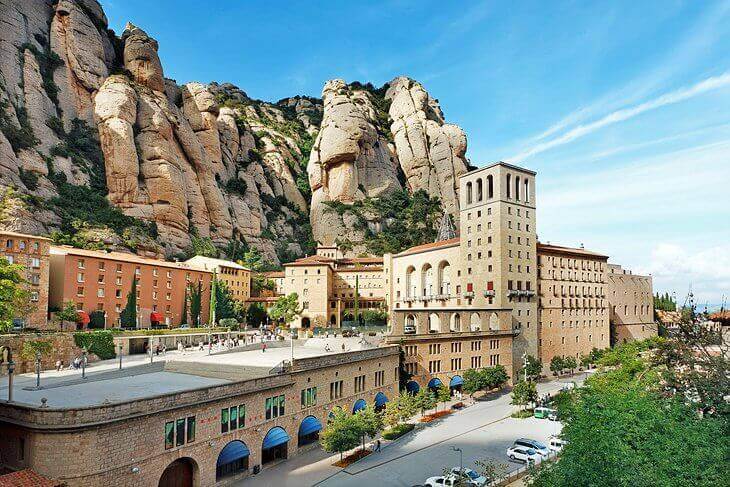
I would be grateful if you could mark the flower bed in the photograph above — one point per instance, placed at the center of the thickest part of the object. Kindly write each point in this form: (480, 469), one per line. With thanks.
(458, 405)
(352, 458)
(438, 414)
(397, 431)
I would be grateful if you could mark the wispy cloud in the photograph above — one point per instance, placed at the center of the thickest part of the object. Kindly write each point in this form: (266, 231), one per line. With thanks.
(704, 86)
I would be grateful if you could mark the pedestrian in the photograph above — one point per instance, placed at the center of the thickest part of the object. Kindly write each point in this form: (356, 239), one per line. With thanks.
(157, 349)
(343, 347)
(59, 365)
(179, 347)
(263, 347)
(377, 445)
(164, 349)
(200, 346)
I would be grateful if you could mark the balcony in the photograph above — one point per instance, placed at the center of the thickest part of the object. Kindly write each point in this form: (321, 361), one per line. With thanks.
(489, 294)
(469, 294)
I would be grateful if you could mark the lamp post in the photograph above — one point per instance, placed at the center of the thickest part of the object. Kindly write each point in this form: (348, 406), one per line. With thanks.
(120, 356)
(524, 358)
(83, 363)
(37, 370)
(11, 370)
(461, 458)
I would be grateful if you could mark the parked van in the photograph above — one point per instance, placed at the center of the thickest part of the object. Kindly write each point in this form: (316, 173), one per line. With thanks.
(556, 444)
(543, 413)
(538, 446)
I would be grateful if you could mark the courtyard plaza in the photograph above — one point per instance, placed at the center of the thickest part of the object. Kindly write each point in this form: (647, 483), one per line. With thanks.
(171, 372)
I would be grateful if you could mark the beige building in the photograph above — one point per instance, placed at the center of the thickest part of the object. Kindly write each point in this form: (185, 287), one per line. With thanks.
(32, 253)
(236, 277)
(573, 309)
(631, 305)
(328, 287)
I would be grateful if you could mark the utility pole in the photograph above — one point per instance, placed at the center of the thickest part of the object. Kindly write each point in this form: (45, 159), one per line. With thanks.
(120, 356)
(524, 358)
(37, 370)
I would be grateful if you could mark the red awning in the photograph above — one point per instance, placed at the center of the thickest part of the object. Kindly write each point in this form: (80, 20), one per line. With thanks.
(157, 317)
(83, 317)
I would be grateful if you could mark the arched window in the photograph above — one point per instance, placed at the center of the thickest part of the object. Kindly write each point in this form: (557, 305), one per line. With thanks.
(509, 186)
(527, 190)
(468, 193)
(434, 323)
(444, 278)
(455, 322)
(476, 322)
(494, 322)
(490, 186)
(479, 190)
(517, 188)
(427, 280)
(411, 284)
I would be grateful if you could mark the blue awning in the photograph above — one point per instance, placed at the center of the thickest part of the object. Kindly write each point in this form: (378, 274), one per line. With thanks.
(380, 399)
(309, 425)
(434, 383)
(412, 386)
(275, 437)
(456, 381)
(232, 452)
(359, 404)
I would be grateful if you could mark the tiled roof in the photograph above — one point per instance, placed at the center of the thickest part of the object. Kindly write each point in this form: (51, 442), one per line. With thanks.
(431, 246)
(26, 478)
(541, 247)
(273, 274)
(22, 235)
(203, 261)
(120, 257)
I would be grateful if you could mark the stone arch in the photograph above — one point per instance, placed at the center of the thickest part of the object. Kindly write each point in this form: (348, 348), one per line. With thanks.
(427, 280)
(434, 323)
(490, 186)
(275, 445)
(444, 278)
(517, 188)
(411, 320)
(475, 322)
(493, 322)
(309, 430)
(411, 284)
(468, 193)
(509, 185)
(480, 193)
(526, 194)
(183, 472)
(232, 460)
(455, 324)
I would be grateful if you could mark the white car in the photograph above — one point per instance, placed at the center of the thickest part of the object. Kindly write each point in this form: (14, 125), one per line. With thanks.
(441, 481)
(470, 475)
(538, 446)
(523, 454)
(409, 330)
(556, 444)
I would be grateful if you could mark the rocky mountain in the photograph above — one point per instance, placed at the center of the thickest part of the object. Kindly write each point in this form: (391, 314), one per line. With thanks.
(100, 150)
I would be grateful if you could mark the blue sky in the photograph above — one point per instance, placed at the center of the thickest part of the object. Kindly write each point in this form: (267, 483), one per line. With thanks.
(623, 107)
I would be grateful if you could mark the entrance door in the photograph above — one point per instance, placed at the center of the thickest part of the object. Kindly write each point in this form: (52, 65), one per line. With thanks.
(178, 474)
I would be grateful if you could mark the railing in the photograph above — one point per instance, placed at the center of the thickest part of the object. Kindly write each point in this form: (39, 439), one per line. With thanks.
(280, 368)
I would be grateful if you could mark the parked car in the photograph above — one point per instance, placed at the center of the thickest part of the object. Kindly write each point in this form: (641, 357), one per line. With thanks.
(542, 412)
(556, 444)
(538, 446)
(348, 333)
(524, 454)
(441, 481)
(470, 475)
(409, 330)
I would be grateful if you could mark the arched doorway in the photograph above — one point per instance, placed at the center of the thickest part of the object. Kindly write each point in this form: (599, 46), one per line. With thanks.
(309, 431)
(434, 384)
(455, 384)
(232, 460)
(274, 446)
(333, 320)
(380, 400)
(179, 473)
(412, 387)
(306, 322)
(360, 404)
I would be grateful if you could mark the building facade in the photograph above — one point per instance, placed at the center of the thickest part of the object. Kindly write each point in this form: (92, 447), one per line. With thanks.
(235, 277)
(200, 436)
(32, 253)
(631, 305)
(100, 282)
(573, 308)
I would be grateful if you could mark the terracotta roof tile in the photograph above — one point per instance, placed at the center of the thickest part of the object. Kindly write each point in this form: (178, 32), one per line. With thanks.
(431, 245)
(27, 478)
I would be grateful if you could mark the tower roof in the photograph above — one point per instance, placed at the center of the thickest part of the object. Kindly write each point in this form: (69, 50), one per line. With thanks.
(446, 228)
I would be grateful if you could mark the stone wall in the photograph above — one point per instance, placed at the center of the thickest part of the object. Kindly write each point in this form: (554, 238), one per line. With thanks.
(62, 344)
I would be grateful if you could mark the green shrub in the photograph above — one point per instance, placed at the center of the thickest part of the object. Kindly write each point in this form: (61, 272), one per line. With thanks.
(29, 178)
(31, 347)
(48, 62)
(236, 186)
(100, 343)
(231, 323)
(20, 137)
(96, 319)
(397, 431)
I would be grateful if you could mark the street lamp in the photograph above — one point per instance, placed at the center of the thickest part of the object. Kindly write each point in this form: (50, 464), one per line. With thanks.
(37, 370)
(120, 356)
(83, 363)
(11, 369)
(461, 458)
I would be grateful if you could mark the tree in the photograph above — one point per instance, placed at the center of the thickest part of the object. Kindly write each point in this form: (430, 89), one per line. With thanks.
(424, 400)
(286, 309)
(473, 381)
(255, 315)
(570, 363)
(491, 470)
(524, 393)
(443, 395)
(196, 303)
(212, 318)
(342, 432)
(534, 368)
(401, 408)
(68, 312)
(31, 347)
(484, 379)
(184, 314)
(12, 293)
(585, 361)
(368, 423)
(226, 306)
(557, 365)
(128, 317)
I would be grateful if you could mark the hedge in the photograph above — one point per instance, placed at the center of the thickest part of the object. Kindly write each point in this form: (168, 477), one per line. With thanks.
(397, 431)
(100, 343)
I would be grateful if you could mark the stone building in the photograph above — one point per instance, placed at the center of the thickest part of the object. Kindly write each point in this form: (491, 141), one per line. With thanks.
(573, 307)
(188, 423)
(100, 282)
(235, 277)
(631, 305)
(30, 252)
(328, 287)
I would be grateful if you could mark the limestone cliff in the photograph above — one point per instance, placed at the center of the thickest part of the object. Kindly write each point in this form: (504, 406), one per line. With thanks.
(99, 149)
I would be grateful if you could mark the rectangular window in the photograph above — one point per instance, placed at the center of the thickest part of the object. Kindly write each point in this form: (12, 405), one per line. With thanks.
(224, 420)
(241, 415)
(234, 418)
(169, 435)
(180, 432)
(191, 429)
(274, 406)
(308, 397)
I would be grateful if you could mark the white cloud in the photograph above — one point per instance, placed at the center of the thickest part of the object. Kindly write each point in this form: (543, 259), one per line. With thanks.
(676, 268)
(704, 86)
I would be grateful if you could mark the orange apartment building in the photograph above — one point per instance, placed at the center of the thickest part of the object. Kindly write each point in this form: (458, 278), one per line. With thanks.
(101, 281)
(30, 252)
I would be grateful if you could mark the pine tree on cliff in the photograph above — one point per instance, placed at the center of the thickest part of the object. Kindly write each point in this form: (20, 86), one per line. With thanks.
(184, 314)
(128, 316)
